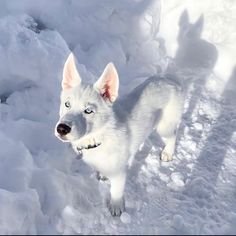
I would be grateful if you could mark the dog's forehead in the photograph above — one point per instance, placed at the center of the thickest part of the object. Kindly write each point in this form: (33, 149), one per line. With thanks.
(83, 93)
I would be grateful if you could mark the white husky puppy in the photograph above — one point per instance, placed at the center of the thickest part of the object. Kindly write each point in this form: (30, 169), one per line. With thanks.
(108, 131)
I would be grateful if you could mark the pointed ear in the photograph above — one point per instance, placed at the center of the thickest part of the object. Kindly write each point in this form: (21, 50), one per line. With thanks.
(184, 19)
(198, 25)
(71, 76)
(108, 84)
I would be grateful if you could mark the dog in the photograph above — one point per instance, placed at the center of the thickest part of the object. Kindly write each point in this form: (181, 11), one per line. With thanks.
(107, 132)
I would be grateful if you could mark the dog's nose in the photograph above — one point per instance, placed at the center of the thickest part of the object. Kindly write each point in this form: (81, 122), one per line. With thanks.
(63, 129)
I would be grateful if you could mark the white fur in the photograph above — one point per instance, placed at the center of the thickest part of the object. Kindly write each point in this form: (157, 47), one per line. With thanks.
(119, 128)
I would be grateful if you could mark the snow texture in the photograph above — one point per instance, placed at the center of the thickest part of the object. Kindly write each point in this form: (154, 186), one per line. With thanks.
(44, 189)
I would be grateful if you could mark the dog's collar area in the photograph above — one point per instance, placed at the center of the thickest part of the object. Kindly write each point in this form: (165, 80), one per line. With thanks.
(80, 150)
(93, 146)
(89, 147)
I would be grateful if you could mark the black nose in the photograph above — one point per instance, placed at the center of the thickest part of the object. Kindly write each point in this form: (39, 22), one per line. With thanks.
(63, 129)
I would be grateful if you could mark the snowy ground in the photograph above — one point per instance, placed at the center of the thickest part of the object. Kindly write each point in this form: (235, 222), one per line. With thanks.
(44, 189)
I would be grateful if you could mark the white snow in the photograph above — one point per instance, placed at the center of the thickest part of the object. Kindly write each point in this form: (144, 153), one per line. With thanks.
(44, 189)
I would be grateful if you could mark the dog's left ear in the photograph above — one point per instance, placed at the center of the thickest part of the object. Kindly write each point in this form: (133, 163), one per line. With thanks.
(108, 84)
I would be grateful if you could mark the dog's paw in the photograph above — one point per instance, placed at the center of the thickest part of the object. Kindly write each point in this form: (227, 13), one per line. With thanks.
(116, 208)
(166, 156)
(101, 177)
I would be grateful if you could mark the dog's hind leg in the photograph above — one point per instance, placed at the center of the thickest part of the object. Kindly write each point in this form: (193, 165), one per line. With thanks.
(168, 125)
(168, 151)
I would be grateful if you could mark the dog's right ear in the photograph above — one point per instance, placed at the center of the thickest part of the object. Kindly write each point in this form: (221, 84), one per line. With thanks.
(71, 77)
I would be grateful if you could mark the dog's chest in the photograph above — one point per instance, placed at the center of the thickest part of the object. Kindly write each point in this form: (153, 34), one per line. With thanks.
(103, 159)
(94, 158)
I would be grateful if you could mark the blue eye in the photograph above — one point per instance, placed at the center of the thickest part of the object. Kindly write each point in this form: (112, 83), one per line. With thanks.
(88, 110)
(67, 104)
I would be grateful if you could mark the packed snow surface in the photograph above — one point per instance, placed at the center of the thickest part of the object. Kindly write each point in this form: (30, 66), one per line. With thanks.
(44, 189)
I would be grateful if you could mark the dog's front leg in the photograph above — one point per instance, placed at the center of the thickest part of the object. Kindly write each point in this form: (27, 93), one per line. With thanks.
(116, 204)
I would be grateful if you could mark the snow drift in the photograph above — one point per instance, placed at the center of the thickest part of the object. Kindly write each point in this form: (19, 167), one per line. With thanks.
(44, 189)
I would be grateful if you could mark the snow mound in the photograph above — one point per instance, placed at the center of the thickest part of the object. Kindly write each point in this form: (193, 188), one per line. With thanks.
(44, 189)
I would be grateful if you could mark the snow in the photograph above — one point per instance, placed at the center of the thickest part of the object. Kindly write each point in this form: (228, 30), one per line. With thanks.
(44, 189)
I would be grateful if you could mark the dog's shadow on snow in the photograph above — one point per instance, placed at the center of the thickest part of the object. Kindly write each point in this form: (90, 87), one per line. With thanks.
(193, 51)
(195, 58)
(196, 54)
(199, 55)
